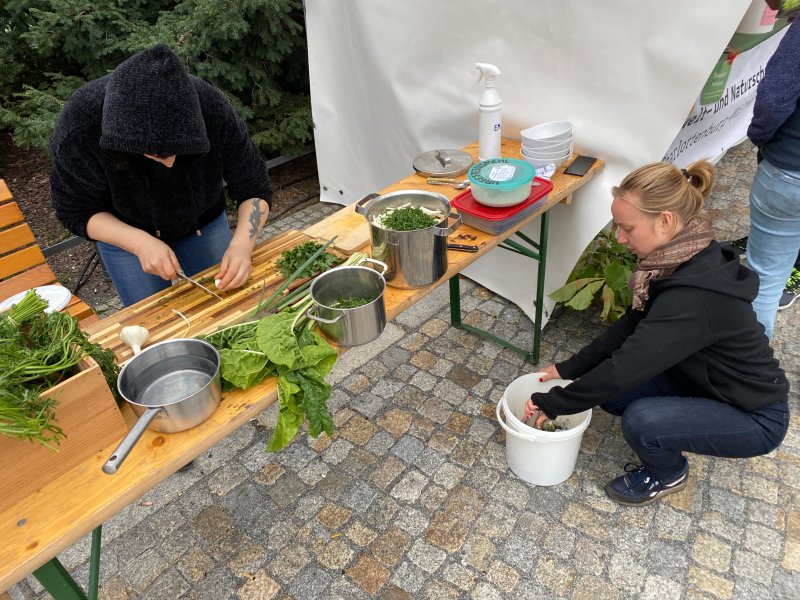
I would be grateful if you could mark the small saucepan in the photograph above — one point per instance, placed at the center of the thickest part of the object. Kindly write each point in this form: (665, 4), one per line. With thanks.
(350, 326)
(172, 386)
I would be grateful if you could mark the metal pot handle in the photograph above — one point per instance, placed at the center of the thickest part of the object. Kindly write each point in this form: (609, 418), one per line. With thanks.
(531, 438)
(320, 319)
(445, 231)
(129, 441)
(367, 259)
(360, 204)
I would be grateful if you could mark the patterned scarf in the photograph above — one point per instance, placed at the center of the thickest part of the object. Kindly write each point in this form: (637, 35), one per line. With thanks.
(696, 236)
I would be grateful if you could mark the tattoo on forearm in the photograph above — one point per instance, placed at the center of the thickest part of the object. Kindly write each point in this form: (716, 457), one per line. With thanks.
(255, 218)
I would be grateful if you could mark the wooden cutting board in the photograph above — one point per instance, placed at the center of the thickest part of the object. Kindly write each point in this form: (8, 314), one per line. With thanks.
(351, 227)
(205, 313)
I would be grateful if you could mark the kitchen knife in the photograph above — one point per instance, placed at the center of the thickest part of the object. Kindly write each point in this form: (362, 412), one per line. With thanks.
(462, 247)
(202, 287)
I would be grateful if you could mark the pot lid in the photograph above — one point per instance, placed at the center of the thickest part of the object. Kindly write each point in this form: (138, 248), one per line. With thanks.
(443, 163)
(501, 173)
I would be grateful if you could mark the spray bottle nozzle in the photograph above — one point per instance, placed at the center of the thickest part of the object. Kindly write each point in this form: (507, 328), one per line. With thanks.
(488, 71)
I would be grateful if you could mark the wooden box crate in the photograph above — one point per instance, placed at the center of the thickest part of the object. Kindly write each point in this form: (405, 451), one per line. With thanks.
(89, 417)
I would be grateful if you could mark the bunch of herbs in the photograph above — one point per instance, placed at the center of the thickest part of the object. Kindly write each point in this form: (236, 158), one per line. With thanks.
(36, 353)
(601, 276)
(294, 258)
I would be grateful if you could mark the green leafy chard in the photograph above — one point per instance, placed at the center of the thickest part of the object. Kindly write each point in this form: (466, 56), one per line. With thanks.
(276, 339)
(245, 368)
(278, 344)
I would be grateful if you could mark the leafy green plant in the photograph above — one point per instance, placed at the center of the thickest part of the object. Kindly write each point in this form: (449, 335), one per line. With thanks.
(37, 351)
(293, 258)
(281, 344)
(601, 276)
(253, 51)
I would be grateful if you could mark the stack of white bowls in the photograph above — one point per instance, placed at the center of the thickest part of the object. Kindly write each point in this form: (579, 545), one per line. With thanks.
(547, 143)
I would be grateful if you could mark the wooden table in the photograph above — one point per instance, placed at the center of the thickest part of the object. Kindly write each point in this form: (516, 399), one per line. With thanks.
(36, 529)
(353, 233)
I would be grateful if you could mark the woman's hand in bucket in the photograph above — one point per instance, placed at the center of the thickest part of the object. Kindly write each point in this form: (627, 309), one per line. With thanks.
(157, 258)
(235, 267)
(530, 410)
(549, 373)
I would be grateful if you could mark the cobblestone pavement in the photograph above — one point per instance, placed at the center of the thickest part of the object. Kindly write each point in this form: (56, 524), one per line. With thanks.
(412, 496)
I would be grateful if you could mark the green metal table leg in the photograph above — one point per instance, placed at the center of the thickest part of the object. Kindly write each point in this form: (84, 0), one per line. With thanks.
(55, 579)
(60, 584)
(541, 257)
(537, 324)
(94, 563)
(455, 301)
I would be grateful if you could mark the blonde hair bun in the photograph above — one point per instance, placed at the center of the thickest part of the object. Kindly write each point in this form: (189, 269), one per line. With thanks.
(663, 187)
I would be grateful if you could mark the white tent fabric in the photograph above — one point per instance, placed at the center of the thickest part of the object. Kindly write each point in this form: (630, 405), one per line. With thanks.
(391, 79)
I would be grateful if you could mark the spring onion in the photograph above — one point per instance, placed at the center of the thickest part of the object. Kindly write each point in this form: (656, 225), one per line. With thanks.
(27, 308)
(294, 276)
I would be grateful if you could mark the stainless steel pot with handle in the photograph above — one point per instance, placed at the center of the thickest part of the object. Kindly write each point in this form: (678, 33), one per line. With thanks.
(415, 258)
(171, 386)
(350, 326)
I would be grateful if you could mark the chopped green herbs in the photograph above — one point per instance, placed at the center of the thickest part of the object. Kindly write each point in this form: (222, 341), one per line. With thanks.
(293, 259)
(408, 219)
(351, 302)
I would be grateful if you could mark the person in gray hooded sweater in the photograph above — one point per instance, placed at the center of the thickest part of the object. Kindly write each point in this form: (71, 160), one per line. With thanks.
(140, 159)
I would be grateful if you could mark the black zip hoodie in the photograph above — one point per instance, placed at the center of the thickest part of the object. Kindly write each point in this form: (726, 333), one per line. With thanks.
(698, 327)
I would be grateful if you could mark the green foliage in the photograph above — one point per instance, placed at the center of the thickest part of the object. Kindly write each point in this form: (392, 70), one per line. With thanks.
(301, 359)
(408, 219)
(276, 340)
(291, 260)
(38, 351)
(253, 51)
(601, 276)
(351, 302)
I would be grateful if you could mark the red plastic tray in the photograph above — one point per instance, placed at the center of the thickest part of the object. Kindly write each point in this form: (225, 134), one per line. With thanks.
(464, 202)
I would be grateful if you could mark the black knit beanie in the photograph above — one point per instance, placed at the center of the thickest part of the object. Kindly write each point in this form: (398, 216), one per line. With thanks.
(151, 107)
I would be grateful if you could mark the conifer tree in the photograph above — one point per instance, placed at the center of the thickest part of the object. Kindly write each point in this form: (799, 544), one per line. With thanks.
(253, 51)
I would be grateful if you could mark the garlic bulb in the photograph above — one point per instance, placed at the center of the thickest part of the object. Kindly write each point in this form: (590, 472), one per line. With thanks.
(135, 337)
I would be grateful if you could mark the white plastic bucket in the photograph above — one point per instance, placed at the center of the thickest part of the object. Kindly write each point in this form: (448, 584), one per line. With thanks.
(539, 457)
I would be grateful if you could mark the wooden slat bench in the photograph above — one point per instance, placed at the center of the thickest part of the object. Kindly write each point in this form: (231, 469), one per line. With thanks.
(22, 264)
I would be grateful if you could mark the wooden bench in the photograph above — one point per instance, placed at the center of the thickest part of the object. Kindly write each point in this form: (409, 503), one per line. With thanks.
(22, 264)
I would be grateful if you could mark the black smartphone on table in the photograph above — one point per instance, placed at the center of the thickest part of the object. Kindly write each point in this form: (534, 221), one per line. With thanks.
(580, 165)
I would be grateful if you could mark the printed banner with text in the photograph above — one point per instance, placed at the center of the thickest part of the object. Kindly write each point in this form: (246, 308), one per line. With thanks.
(722, 112)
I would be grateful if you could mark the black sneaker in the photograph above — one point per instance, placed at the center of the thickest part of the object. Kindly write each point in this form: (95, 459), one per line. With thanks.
(639, 488)
(739, 246)
(791, 291)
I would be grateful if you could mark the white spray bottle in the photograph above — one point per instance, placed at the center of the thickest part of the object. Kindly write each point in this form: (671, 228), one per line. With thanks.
(490, 107)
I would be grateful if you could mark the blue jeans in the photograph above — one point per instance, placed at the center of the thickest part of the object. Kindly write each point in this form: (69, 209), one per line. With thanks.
(774, 239)
(659, 425)
(195, 253)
